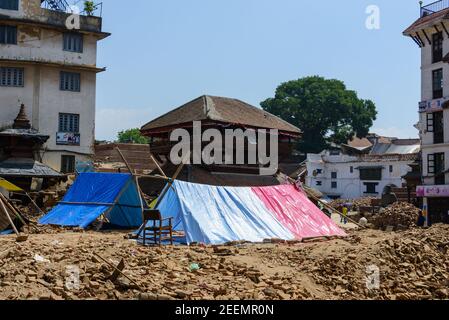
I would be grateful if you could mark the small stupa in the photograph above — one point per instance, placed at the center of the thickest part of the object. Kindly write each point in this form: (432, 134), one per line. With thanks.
(21, 121)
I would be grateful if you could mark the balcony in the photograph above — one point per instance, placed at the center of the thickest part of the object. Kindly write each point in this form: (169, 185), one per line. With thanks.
(434, 7)
(96, 10)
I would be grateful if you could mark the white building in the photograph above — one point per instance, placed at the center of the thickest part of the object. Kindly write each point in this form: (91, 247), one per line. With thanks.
(52, 71)
(361, 168)
(431, 33)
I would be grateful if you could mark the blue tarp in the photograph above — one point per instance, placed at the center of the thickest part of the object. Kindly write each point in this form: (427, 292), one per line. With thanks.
(216, 215)
(94, 194)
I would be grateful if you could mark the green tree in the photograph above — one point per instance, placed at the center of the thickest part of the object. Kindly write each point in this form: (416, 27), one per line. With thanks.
(324, 109)
(132, 136)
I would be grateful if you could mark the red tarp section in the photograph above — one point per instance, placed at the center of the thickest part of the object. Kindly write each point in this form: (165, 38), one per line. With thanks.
(297, 213)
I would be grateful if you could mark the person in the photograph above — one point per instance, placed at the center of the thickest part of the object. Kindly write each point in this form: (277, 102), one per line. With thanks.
(421, 220)
(363, 221)
(344, 217)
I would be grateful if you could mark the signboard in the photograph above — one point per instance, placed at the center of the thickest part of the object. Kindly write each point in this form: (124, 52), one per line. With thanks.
(68, 138)
(432, 191)
(432, 105)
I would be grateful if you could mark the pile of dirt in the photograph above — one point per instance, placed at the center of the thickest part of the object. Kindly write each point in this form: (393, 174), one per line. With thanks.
(356, 203)
(400, 215)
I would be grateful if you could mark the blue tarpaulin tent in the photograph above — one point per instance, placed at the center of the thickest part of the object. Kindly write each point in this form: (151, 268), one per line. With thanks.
(94, 194)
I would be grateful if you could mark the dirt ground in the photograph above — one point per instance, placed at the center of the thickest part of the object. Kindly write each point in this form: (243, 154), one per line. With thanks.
(369, 264)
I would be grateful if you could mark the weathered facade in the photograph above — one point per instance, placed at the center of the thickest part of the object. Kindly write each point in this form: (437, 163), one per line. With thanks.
(52, 71)
(431, 33)
(221, 114)
(363, 167)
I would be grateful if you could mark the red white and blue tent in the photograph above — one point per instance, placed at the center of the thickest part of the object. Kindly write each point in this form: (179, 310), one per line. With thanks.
(216, 215)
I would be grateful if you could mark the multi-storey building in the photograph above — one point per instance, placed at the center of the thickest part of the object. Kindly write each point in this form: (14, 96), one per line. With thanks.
(362, 167)
(48, 63)
(431, 33)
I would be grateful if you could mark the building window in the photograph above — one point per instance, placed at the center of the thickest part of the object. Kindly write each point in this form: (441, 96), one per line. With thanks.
(11, 77)
(437, 83)
(371, 174)
(334, 185)
(9, 4)
(391, 169)
(69, 122)
(319, 171)
(73, 42)
(429, 122)
(437, 47)
(67, 164)
(438, 127)
(371, 188)
(334, 152)
(351, 169)
(8, 34)
(334, 175)
(70, 81)
(319, 183)
(435, 163)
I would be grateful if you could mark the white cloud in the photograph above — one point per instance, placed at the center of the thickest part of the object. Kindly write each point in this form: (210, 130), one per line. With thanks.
(396, 132)
(111, 121)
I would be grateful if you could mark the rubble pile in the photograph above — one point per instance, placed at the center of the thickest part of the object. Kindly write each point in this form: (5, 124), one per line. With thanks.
(412, 264)
(400, 215)
(356, 203)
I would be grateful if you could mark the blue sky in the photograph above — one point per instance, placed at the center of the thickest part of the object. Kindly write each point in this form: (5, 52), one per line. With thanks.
(163, 53)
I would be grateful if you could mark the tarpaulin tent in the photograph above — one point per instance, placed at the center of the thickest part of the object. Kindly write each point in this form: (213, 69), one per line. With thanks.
(215, 215)
(94, 194)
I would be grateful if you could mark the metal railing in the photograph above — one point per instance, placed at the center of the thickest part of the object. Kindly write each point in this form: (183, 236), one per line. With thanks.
(64, 6)
(434, 7)
(57, 5)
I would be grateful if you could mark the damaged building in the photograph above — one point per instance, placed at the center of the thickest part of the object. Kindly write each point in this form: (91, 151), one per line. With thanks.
(222, 113)
(21, 149)
(52, 71)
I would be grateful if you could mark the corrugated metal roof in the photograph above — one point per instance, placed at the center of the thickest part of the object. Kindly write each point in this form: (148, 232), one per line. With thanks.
(18, 167)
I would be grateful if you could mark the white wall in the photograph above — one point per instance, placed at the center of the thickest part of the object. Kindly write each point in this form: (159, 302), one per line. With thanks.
(41, 93)
(349, 185)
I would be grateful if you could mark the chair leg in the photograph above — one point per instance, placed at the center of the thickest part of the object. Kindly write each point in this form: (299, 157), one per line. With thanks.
(160, 237)
(144, 236)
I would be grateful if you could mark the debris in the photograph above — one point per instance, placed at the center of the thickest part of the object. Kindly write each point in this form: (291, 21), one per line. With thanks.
(400, 215)
(40, 259)
(194, 267)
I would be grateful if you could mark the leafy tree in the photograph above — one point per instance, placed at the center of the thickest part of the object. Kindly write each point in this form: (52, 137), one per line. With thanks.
(132, 136)
(324, 109)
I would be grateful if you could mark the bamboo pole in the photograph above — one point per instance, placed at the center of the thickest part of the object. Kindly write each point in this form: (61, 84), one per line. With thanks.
(5, 211)
(332, 209)
(12, 208)
(326, 205)
(136, 180)
(157, 165)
